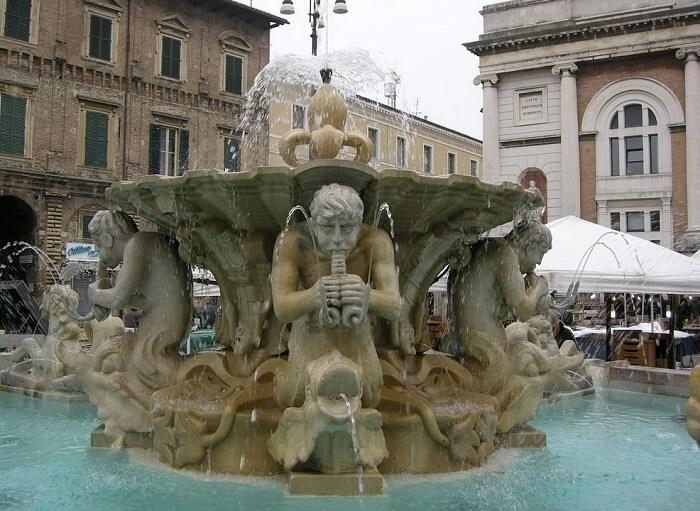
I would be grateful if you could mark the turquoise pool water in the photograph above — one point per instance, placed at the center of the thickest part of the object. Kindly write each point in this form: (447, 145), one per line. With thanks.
(614, 451)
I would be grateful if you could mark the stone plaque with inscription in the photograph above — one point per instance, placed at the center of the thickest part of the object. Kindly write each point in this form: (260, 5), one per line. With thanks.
(531, 106)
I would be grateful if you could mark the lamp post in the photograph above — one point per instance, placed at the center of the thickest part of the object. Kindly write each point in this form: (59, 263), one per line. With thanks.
(340, 7)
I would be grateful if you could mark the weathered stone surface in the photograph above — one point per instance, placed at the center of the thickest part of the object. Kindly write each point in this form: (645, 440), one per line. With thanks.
(366, 483)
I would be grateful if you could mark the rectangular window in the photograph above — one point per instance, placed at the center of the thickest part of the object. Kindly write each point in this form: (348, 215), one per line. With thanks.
(634, 156)
(615, 221)
(427, 159)
(654, 221)
(373, 134)
(169, 150)
(654, 154)
(100, 38)
(85, 222)
(96, 139)
(233, 81)
(614, 156)
(170, 58)
(635, 221)
(400, 151)
(451, 163)
(13, 113)
(473, 169)
(18, 16)
(232, 154)
(298, 115)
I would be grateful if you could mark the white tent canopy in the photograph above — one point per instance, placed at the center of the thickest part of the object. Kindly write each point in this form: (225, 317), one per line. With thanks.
(605, 260)
(696, 256)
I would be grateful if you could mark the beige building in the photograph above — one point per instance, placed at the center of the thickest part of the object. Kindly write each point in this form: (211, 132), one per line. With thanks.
(599, 104)
(401, 140)
(95, 91)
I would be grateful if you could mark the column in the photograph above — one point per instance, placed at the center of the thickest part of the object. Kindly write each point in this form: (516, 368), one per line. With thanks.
(491, 163)
(570, 163)
(692, 136)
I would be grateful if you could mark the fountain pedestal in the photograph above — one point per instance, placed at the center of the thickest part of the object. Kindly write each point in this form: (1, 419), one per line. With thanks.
(367, 483)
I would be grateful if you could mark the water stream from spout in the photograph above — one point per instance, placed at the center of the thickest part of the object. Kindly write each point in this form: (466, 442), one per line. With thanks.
(355, 444)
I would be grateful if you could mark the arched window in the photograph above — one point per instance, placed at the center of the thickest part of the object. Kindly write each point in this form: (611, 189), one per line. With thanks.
(534, 176)
(634, 140)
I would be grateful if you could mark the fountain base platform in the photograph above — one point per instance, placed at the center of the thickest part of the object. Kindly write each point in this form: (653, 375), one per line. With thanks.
(370, 482)
(522, 437)
(57, 395)
(132, 439)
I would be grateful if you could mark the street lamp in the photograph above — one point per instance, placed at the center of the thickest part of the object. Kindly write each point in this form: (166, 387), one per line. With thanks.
(340, 7)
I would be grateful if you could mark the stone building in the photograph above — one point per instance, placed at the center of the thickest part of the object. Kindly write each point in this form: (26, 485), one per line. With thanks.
(96, 91)
(599, 104)
(401, 140)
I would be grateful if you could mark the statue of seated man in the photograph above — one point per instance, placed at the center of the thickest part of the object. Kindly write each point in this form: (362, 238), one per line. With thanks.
(488, 290)
(320, 275)
(152, 278)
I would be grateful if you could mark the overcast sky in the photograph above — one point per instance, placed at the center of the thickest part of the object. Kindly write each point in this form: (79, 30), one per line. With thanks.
(419, 39)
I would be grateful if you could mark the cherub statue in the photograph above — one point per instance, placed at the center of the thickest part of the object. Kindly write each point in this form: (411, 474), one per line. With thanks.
(328, 276)
(152, 278)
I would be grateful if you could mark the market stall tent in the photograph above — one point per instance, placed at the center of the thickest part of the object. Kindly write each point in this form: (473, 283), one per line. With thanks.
(605, 260)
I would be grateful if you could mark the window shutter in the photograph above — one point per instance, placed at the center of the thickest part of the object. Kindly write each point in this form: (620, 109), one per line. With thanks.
(184, 151)
(12, 123)
(170, 62)
(154, 150)
(100, 37)
(232, 154)
(18, 14)
(96, 139)
(234, 74)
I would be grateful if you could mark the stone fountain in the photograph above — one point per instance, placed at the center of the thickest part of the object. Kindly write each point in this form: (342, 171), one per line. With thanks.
(326, 375)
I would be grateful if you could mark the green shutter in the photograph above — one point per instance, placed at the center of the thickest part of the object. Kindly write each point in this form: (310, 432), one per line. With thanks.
(183, 151)
(12, 124)
(234, 74)
(18, 15)
(154, 150)
(170, 60)
(96, 139)
(100, 37)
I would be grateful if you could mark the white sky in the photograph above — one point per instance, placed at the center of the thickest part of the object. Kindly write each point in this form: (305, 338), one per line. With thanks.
(419, 39)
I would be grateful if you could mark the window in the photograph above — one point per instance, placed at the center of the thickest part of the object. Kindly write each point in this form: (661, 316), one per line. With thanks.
(427, 159)
(17, 22)
(635, 128)
(84, 223)
(233, 74)
(96, 139)
(654, 221)
(298, 116)
(451, 163)
(656, 242)
(635, 221)
(100, 45)
(400, 151)
(232, 154)
(373, 134)
(615, 221)
(473, 168)
(634, 156)
(169, 150)
(13, 120)
(171, 50)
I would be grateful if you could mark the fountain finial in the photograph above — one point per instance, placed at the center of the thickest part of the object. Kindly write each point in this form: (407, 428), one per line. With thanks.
(326, 115)
(326, 74)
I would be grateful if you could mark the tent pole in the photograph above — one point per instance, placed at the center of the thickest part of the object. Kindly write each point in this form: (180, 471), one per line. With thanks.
(608, 327)
(671, 348)
(625, 295)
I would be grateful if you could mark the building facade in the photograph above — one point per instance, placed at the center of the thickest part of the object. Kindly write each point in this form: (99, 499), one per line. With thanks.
(401, 140)
(598, 103)
(97, 91)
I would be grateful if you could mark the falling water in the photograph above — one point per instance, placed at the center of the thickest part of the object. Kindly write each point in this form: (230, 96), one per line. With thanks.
(355, 443)
(21, 246)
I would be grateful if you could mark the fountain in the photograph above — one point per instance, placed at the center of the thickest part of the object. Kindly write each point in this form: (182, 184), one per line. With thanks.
(325, 375)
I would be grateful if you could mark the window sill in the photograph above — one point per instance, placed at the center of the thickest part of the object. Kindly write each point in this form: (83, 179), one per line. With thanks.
(100, 62)
(180, 81)
(95, 169)
(15, 157)
(31, 45)
(232, 94)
